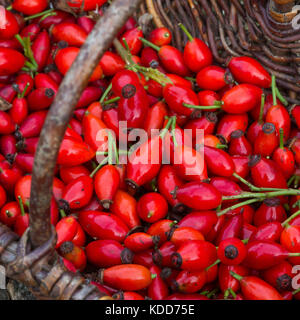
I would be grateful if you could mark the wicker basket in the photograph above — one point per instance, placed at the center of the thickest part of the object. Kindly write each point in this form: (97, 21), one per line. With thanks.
(261, 29)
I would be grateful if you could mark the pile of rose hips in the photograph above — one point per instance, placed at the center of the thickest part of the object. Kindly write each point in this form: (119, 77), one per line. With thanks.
(226, 229)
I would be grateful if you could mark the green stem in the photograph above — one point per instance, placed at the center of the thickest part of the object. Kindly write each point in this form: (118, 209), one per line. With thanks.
(236, 276)
(110, 148)
(100, 165)
(221, 146)
(106, 92)
(111, 100)
(294, 254)
(166, 128)
(202, 107)
(281, 98)
(212, 265)
(212, 293)
(9, 8)
(238, 205)
(232, 293)
(22, 94)
(296, 291)
(274, 90)
(150, 44)
(191, 79)
(126, 45)
(253, 187)
(281, 138)
(21, 206)
(38, 14)
(262, 107)
(47, 15)
(185, 30)
(173, 131)
(62, 213)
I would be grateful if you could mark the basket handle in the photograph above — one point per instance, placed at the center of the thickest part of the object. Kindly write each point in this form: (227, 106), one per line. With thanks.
(98, 41)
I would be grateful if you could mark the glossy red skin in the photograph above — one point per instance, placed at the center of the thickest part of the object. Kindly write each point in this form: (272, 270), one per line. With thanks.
(22, 80)
(142, 173)
(10, 27)
(55, 19)
(71, 134)
(197, 55)
(129, 277)
(207, 123)
(3, 196)
(232, 228)
(189, 163)
(124, 207)
(134, 110)
(86, 23)
(139, 241)
(211, 78)
(106, 184)
(22, 189)
(110, 117)
(266, 143)
(160, 36)
(19, 110)
(43, 80)
(175, 96)
(218, 162)
(295, 112)
(179, 81)
(9, 213)
(30, 7)
(8, 145)
(227, 187)
(290, 240)
(65, 57)
(68, 174)
(253, 131)
(208, 98)
(156, 117)
(267, 174)
(72, 33)
(41, 49)
(269, 212)
(132, 38)
(87, 5)
(161, 228)
(163, 256)
(195, 255)
(201, 221)
(57, 189)
(279, 276)
(11, 44)
(286, 161)
(296, 150)
(241, 166)
(144, 258)
(32, 125)
(76, 256)
(111, 63)
(79, 192)
(104, 253)
(73, 153)
(199, 196)
(9, 177)
(21, 224)
(7, 126)
(40, 99)
(66, 230)
(239, 145)
(270, 231)
(167, 181)
(76, 126)
(241, 98)
(31, 31)
(7, 92)
(190, 282)
(154, 88)
(173, 61)
(226, 280)
(249, 70)
(180, 235)
(123, 78)
(247, 231)
(152, 207)
(158, 289)
(234, 259)
(149, 58)
(279, 116)
(254, 288)
(89, 95)
(128, 295)
(264, 254)
(25, 162)
(103, 225)
(230, 123)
